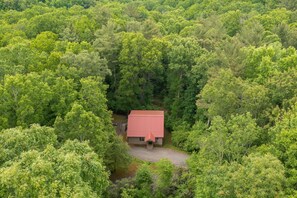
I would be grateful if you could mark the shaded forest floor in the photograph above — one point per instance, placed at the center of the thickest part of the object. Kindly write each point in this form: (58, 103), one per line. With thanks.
(127, 172)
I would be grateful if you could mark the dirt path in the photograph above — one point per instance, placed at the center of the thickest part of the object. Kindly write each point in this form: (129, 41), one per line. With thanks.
(157, 153)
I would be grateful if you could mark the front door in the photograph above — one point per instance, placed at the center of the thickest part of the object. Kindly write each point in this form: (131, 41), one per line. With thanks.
(149, 145)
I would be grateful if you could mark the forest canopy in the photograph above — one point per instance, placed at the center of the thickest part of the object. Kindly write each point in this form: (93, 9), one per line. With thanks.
(225, 72)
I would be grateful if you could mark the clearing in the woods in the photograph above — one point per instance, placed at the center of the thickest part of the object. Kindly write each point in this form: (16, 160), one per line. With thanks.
(176, 157)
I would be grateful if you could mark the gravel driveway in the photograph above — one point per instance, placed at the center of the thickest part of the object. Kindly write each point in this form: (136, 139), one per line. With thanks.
(157, 153)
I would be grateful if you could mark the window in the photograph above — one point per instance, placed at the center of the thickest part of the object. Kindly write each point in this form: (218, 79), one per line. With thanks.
(141, 139)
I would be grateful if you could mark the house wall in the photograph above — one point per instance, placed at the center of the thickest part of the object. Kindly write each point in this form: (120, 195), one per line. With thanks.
(159, 141)
(136, 140)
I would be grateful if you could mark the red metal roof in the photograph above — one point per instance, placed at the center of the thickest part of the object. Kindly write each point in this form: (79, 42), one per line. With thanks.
(141, 123)
(150, 137)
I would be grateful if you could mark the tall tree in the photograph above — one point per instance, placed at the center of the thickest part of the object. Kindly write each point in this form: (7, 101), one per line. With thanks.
(90, 63)
(84, 126)
(25, 99)
(284, 135)
(140, 66)
(225, 94)
(230, 140)
(181, 82)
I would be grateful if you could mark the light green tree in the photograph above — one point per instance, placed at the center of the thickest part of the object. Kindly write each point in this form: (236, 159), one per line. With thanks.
(64, 94)
(257, 176)
(84, 126)
(14, 141)
(230, 140)
(44, 42)
(74, 170)
(144, 182)
(25, 99)
(284, 135)
(89, 63)
(165, 170)
(225, 94)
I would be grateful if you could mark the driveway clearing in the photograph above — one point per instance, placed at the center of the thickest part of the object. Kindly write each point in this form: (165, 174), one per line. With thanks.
(157, 153)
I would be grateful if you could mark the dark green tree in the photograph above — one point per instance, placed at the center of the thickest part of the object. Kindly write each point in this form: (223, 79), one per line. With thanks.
(140, 67)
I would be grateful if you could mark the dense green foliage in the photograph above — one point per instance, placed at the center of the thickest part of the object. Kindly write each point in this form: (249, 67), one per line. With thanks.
(162, 180)
(224, 71)
(33, 167)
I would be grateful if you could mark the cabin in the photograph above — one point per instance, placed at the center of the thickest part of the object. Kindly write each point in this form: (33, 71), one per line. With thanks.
(145, 127)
